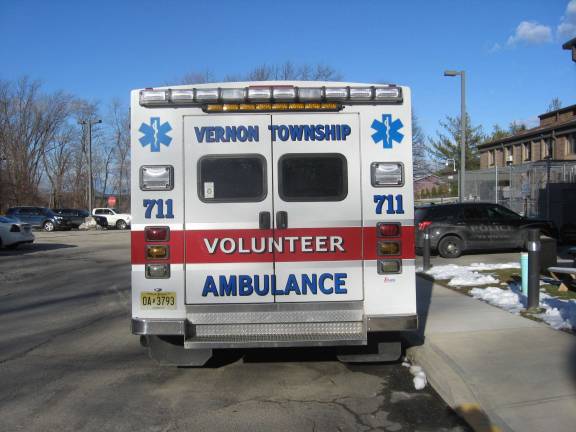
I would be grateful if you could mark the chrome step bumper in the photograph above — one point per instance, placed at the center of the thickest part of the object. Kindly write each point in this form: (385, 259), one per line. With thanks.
(277, 335)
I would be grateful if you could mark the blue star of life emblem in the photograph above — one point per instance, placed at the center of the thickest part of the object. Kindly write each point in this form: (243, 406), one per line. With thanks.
(387, 131)
(155, 134)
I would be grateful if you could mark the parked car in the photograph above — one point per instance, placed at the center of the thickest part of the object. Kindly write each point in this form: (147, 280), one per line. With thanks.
(14, 232)
(39, 217)
(75, 217)
(101, 221)
(114, 217)
(463, 227)
(568, 233)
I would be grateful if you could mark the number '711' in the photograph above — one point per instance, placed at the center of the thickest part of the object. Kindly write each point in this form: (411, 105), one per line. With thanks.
(159, 204)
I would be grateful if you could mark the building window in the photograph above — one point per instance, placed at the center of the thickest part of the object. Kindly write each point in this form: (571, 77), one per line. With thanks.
(508, 156)
(527, 151)
(572, 143)
(491, 157)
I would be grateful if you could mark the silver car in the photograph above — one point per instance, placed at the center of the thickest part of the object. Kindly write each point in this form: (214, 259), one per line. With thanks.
(14, 233)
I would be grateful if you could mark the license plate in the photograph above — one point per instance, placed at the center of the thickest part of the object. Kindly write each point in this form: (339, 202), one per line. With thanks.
(158, 300)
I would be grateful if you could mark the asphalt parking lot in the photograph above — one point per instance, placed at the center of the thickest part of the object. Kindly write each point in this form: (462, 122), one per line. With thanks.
(69, 363)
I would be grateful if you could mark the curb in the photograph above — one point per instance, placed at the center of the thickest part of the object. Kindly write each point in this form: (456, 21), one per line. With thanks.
(444, 376)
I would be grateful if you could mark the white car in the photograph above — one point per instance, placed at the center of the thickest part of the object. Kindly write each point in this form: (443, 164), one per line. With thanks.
(114, 217)
(13, 232)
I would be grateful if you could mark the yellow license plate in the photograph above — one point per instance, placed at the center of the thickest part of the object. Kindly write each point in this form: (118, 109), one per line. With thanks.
(158, 300)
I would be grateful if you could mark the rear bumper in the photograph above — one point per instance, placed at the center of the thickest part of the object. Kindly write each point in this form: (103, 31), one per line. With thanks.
(273, 334)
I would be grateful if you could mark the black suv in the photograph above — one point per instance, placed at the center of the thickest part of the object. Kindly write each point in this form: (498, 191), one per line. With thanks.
(75, 217)
(458, 228)
(40, 217)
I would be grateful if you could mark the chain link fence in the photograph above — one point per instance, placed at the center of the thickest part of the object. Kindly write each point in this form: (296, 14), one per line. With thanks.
(539, 190)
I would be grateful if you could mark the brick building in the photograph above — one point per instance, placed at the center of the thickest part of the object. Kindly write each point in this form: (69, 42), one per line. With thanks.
(554, 137)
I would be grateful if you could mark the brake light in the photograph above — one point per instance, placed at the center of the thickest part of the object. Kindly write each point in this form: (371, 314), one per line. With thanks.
(14, 228)
(388, 229)
(424, 224)
(157, 234)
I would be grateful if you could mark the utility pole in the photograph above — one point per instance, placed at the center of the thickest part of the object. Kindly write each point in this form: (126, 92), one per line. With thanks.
(462, 176)
(90, 123)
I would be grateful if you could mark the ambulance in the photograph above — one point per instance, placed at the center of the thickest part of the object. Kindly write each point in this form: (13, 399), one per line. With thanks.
(272, 214)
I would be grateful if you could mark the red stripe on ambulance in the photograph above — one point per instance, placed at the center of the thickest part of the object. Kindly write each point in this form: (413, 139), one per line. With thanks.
(288, 245)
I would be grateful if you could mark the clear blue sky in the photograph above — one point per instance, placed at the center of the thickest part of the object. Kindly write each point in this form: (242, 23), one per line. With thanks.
(511, 50)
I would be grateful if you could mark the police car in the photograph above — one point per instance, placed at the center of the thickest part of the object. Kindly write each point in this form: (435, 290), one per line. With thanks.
(269, 214)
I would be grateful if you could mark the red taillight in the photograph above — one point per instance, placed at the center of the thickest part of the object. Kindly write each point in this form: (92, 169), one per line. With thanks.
(15, 228)
(423, 225)
(388, 230)
(157, 233)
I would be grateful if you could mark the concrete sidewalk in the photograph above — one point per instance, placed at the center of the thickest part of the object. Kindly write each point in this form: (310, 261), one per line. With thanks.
(520, 373)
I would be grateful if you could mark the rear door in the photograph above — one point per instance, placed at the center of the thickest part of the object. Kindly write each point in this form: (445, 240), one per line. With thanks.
(317, 207)
(228, 209)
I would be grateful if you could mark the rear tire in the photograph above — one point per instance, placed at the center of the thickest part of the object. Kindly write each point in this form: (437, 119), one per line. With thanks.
(48, 226)
(121, 225)
(450, 247)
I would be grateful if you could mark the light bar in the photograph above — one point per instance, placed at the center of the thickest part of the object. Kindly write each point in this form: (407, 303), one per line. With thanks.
(312, 106)
(207, 95)
(182, 96)
(336, 93)
(361, 93)
(284, 93)
(281, 93)
(233, 94)
(259, 93)
(153, 97)
(309, 94)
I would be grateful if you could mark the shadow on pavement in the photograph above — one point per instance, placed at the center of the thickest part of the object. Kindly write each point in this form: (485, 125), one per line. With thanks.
(424, 284)
(31, 248)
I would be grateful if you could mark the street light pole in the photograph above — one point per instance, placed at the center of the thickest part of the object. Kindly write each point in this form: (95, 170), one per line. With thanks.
(90, 123)
(462, 176)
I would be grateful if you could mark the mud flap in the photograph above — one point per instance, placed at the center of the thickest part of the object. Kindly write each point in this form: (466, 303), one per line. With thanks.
(170, 351)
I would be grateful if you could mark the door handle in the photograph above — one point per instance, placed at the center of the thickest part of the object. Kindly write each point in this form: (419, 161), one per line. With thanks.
(281, 220)
(264, 220)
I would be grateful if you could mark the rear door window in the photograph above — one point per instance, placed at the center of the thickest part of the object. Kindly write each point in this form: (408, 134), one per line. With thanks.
(475, 213)
(232, 178)
(313, 177)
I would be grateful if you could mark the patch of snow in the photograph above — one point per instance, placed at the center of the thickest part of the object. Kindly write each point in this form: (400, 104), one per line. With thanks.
(419, 375)
(498, 266)
(461, 275)
(502, 298)
(558, 314)
(420, 381)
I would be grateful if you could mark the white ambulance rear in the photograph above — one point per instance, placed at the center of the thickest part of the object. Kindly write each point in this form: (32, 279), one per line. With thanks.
(272, 214)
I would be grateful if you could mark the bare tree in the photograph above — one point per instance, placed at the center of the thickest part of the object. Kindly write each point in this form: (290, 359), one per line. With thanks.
(198, 77)
(30, 122)
(120, 137)
(57, 161)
